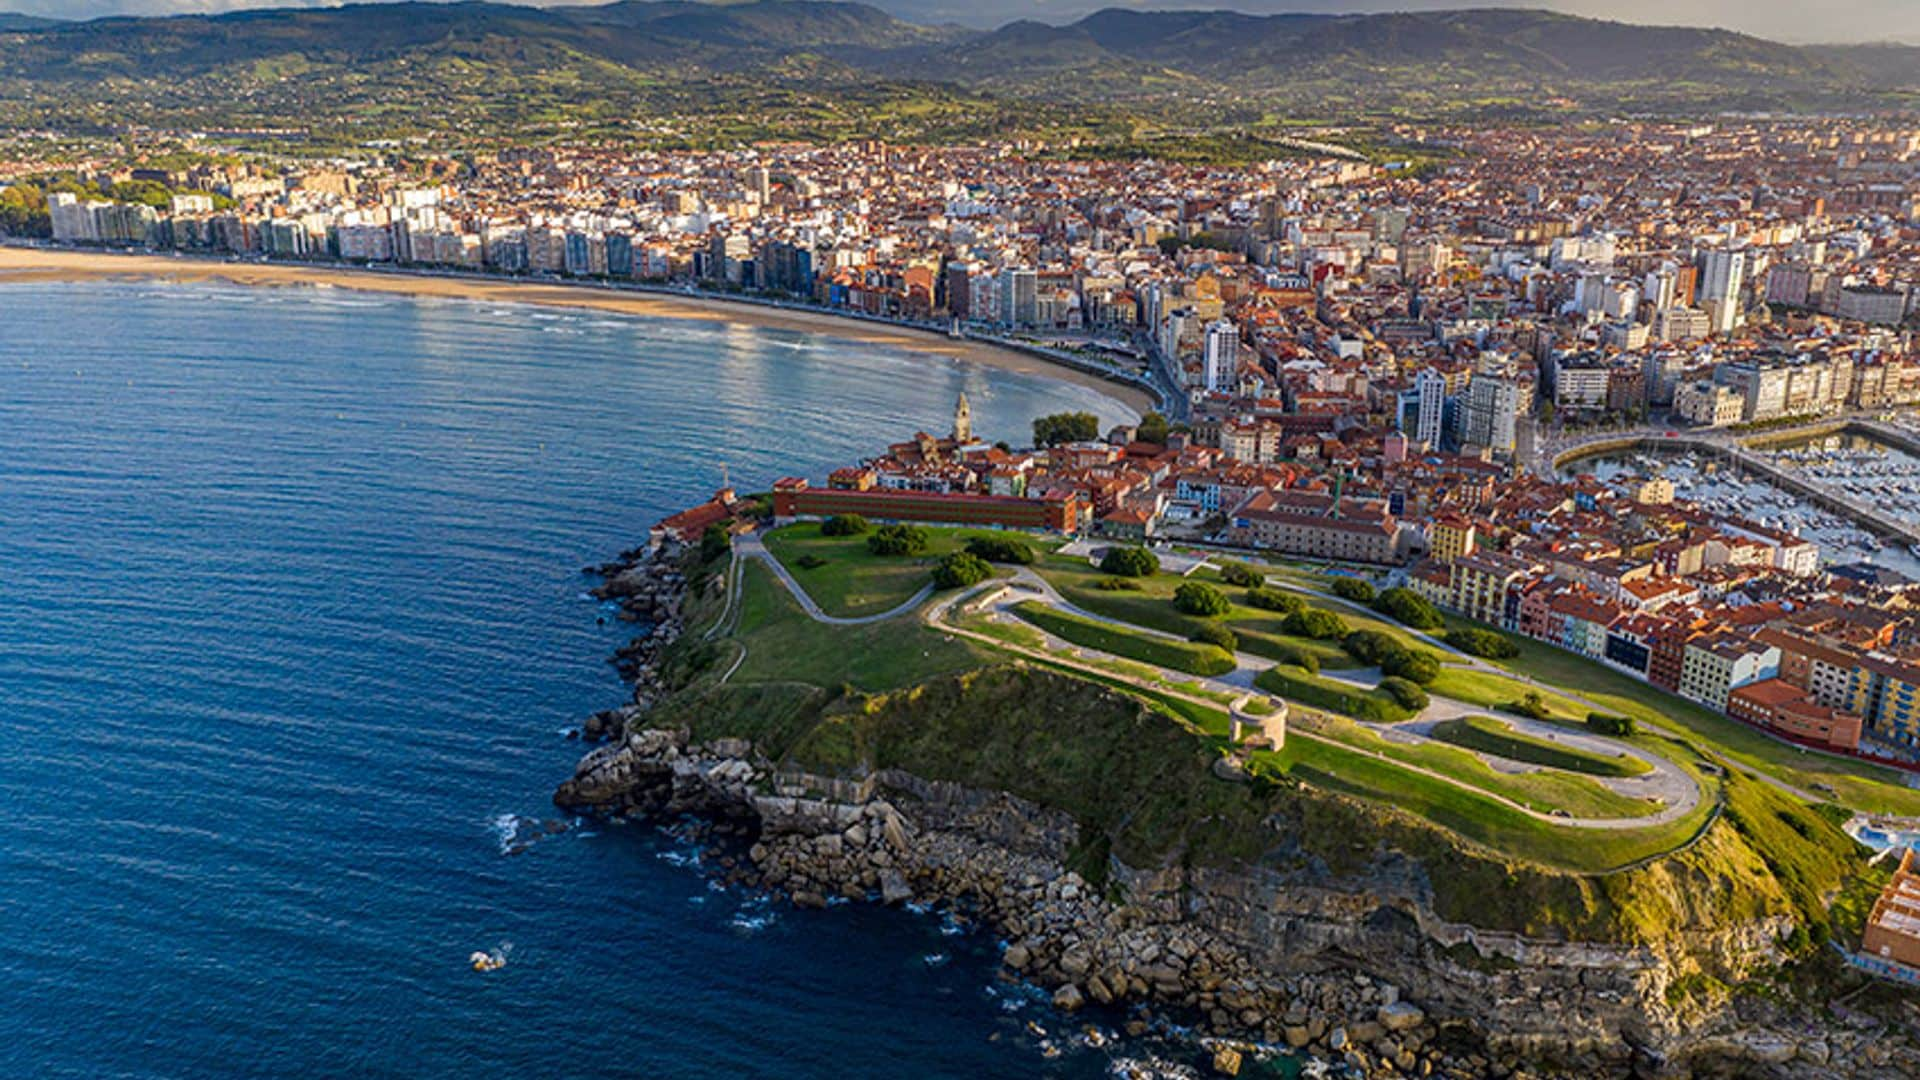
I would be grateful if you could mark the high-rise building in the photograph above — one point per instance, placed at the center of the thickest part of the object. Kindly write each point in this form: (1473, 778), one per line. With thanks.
(1493, 407)
(1431, 389)
(1019, 296)
(1722, 274)
(1222, 357)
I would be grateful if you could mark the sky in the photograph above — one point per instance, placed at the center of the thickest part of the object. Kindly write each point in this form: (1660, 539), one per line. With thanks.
(1782, 20)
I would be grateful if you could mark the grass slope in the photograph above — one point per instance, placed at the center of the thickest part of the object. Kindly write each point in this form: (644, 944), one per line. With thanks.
(1190, 657)
(1496, 737)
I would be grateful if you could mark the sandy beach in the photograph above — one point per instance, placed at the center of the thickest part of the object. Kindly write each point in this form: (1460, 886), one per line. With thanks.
(35, 264)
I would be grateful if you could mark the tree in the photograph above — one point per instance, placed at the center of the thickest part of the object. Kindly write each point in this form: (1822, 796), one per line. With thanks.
(1405, 606)
(1408, 694)
(715, 542)
(1153, 428)
(1531, 704)
(1604, 724)
(1267, 599)
(898, 540)
(844, 525)
(1358, 590)
(1200, 598)
(1215, 634)
(23, 212)
(1314, 623)
(960, 569)
(1370, 647)
(1477, 642)
(1001, 549)
(1241, 574)
(1065, 428)
(1414, 666)
(1129, 562)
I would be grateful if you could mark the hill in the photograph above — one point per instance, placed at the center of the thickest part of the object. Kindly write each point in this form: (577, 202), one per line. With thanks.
(836, 69)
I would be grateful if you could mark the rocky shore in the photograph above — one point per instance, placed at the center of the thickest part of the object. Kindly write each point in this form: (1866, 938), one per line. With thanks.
(1357, 972)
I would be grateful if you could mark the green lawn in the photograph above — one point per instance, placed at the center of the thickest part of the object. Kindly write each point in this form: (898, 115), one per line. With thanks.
(1543, 790)
(1190, 657)
(1856, 784)
(1491, 691)
(1496, 737)
(784, 645)
(1295, 684)
(853, 581)
(1151, 605)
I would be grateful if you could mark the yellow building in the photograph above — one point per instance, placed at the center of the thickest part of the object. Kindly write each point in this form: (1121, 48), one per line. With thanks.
(1449, 537)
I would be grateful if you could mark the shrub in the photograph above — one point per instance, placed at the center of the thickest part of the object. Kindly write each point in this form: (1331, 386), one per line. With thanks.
(959, 570)
(1414, 666)
(1531, 704)
(1001, 549)
(1358, 590)
(1117, 584)
(715, 542)
(1488, 643)
(1278, 600)
(1409, 694)
(1298, 657)
(1129, 562)
(1314, 623)
(1241, 574)
(898, 540)
(1370, 647)
(1604, 724)
(1405, 606)
(1378, 707)
(810, 561)
(1215, 634)
(844, 525)
(1200, 598)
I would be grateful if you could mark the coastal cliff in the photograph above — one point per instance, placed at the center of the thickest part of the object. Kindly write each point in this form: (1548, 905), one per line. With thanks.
(1094, 837)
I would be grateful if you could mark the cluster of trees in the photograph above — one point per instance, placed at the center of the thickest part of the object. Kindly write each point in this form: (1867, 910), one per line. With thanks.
(1153, 428)
(1129, 562)
(1409, 608)
(1605, 724)
(1314, 623)
(1241, 574)
(1001, 549)
(960, 569)
(1215, 634)
(1358, 590)
(1408, 693)
(1279, 600)
(1373, 647)
(23, 212)
(898, 540)
(844, 525)
(1488, 643)
(1201, 599)
(1059, 428)
(715, 542)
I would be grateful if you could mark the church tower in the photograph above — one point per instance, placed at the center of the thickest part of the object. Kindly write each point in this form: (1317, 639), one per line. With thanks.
(962, 421)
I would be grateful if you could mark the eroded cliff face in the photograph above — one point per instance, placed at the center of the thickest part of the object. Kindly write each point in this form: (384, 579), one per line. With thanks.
(1355, 967)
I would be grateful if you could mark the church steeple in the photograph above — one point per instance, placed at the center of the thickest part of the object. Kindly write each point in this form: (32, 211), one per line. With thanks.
(962, 421)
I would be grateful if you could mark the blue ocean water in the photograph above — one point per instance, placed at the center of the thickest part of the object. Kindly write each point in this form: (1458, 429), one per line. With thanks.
(291, 624)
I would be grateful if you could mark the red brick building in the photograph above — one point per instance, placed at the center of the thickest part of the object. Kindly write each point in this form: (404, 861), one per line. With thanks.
(1060, 512)
(1780, 706)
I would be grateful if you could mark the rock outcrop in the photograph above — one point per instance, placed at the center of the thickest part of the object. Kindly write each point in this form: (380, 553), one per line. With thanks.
(1357, 972)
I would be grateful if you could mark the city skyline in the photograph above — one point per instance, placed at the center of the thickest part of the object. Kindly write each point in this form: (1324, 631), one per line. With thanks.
(1848, 21)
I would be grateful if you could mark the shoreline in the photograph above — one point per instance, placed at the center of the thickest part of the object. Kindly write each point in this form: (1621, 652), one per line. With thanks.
(28, 264)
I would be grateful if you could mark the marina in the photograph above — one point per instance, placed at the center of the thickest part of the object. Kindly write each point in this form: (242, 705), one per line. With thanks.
(1857, 473)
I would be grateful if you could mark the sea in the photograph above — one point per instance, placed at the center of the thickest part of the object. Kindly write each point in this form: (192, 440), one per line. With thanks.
(293, 627)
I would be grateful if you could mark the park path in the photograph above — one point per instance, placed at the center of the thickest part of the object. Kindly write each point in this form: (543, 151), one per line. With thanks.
(751, 546)
(1678, 792)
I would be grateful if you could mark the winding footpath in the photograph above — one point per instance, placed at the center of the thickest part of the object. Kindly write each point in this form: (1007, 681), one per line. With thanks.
(1676, 792)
